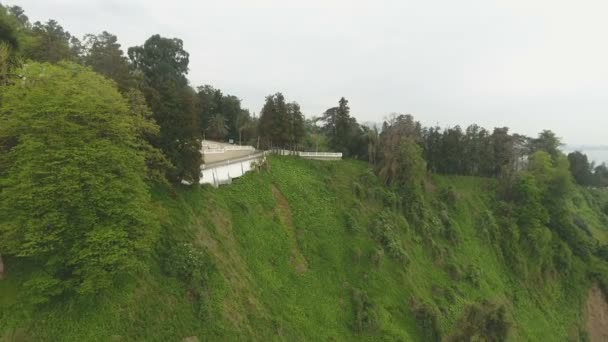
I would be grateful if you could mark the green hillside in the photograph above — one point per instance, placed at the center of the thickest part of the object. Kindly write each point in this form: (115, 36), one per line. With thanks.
(310, 250)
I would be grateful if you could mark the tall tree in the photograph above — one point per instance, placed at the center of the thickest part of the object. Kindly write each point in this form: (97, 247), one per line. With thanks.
(164, 65)
(49, 43)
(103, 53)
(547, 141)
(274, 122)
(337, 125)
(217, 128)
(581, 169)
(73, 200)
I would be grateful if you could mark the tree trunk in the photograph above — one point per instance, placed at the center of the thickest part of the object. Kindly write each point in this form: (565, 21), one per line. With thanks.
(1, 268)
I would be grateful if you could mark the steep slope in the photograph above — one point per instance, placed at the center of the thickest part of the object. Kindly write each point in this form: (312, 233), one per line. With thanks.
(309, 250)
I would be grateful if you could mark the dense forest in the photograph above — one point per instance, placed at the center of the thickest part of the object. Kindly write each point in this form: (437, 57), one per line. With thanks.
(96, 143)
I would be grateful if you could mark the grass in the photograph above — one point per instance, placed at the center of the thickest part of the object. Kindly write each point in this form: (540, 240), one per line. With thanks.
(285, 250)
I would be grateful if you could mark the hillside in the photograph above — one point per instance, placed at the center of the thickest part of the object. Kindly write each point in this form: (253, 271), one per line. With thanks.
(308, 250)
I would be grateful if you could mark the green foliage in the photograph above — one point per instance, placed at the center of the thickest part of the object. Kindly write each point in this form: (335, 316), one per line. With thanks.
(281, 124)
(364, 311)
(427, 319)
(164, 65)
(102, 52)
(73, 198)
(260, 278)
(485, 321)
(385, 229)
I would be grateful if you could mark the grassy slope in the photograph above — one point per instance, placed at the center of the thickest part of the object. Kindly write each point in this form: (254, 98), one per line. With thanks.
(285, 262)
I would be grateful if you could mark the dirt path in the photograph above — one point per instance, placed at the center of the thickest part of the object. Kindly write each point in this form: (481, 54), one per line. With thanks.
(297, 259)
(597, 315)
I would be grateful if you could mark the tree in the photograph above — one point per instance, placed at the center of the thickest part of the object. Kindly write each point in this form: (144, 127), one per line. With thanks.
(103, 53)
(8, 32)
(400, 163)
(580, 168)
(217, 128)
(243, 121)
(73, 200)
(547, 141)
(600, 176)
(337, 125)
(147, 133)
(164, 64)
(50, 43)
(274, 125)
(295, 120)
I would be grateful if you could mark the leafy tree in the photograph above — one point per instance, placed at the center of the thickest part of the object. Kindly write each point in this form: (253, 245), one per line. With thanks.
(217, 128)
(50, 43)
(8, 32)
(103, 53)
(164, 65)
(600, 176)
(547, 141)
(273, 121)
(243, 122)
(580, 168)
(342, 129)
(73, 200)
(295, 119)
(401, 165)
(147, 133)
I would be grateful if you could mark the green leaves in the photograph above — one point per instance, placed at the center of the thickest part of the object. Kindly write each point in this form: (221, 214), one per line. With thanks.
(72, 194)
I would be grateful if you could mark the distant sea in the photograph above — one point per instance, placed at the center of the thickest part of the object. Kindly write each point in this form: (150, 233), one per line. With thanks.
(597, 154)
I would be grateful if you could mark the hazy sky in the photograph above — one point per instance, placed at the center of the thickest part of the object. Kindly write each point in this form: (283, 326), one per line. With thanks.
(525, 64)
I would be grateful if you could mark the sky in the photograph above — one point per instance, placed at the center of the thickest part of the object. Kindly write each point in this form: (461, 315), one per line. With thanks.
(526, 64)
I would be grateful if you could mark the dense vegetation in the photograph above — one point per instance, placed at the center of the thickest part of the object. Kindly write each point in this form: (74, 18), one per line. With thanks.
(422, 233)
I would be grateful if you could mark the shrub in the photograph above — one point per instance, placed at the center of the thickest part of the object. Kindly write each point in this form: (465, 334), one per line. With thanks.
(352, 224)
(454, 271)
(449, 196)
(385, 231)
(473, 275)
(485, 321)
(364, 311)
(378, 257)
(428, 321)
(358, 190)
(580, 222)
(450, 231)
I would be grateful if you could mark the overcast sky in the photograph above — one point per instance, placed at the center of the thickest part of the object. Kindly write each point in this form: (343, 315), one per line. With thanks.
(526, 64)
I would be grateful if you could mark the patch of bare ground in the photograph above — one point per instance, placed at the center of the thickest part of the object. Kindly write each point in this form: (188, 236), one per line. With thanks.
(597, 315)
(296, 258)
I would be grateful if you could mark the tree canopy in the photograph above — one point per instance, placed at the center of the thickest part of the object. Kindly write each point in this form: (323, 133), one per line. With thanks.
(73, 199)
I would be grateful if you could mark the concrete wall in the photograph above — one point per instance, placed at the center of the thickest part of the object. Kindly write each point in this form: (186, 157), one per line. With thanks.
(214, 157)
(224, 172)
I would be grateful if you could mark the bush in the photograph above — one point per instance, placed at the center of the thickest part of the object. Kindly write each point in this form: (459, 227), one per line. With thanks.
(358, 190)
(428, 321)
(378, 257)
(580, 222)
(352, 224)
(485, 321)
(473, 275)
(385, 231)
(449, 196)
(364, 311)
(454, 271)
(450, 231)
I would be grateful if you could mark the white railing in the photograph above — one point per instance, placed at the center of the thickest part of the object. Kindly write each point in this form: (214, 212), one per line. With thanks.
(321, 154)
(238, 148)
